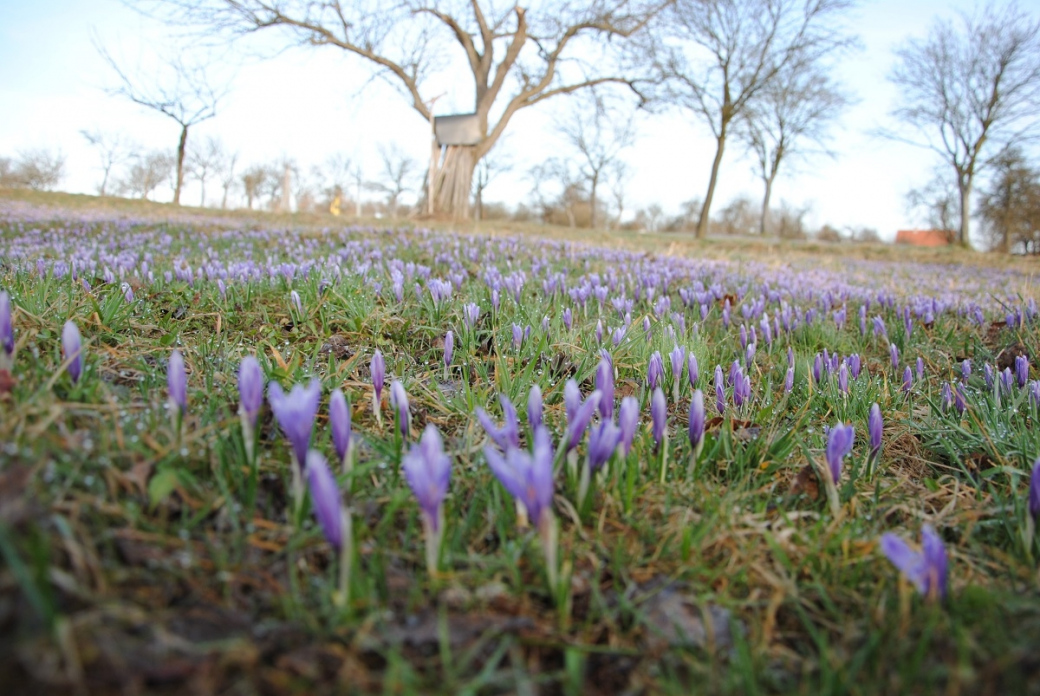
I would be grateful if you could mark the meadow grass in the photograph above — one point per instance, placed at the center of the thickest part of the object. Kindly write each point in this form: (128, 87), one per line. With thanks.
(144, 555)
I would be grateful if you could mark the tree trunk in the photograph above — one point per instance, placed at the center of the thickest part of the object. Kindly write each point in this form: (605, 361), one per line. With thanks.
(702, 221)
(592, 203)
(765, 205)
(180, 165)
(455, 181)
(964, 187)
(202, 198)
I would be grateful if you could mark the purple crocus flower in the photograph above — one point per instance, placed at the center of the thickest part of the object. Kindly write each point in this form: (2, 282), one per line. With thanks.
(655, 370)
(579, 414)
(339, 423)
(908, 379)
(449, 348)
(427, 469)
(720, 390)
(1021, 370)
(470, 315)
(875, 426)
(920, 369)
(568, 318)
(960, 401)
(926, 568)
(603, 440)
(987, 371)
(296, 302)
(534, 407)
(843, 378)
(527, 477)
(6, 332)
(678, 356)
(177, 382)
(605, 385)
(839, 444)
(378, 370)
(250, 390)
(518, 336)
(692, 370)
(946, 396)
(628, 422)
(696, 420)
(325, 497)
(508, 436)
(399, 401)
(659, 416)
(1034, 491)
(965, 370)
(789, 380)
(855, 365)
(817, 369)
(295, 413)
(72, 346)
(893, 354)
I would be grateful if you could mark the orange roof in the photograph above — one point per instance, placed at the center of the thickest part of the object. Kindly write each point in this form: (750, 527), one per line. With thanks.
(926, 238)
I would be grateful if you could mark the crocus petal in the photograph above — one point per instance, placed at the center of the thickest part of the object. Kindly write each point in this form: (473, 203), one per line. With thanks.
(325, 497)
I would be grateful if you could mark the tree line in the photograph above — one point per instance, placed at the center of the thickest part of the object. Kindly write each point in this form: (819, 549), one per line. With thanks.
(758, 74)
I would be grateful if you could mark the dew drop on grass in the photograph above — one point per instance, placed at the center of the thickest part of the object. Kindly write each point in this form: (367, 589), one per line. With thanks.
(184, 451)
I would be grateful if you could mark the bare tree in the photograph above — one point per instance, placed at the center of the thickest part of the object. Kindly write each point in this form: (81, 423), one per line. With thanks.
(1010, 207)
(202, 160)
(183, 92)
(37, 169)
(147, 173)
(225, 172)
(619, 189)
(397, 177)
(598, 135)
(253, 181)
(938, 202)
(789, 120)
(968, 84)
(114, 150)
(516, 57)
(715, 57)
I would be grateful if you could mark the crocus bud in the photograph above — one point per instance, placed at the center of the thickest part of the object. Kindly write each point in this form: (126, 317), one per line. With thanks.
(839, 443)
(692, 370)
(72, 346)
(696, 421)
(893, 354)
(720, 390)
(655, 370)
(789, 380)
(427, 469)
(339, 423)
(659, 415)
(534, 407)
(399, 401)
(378, 370)
(325, 496)
(449, 347)
(628, 422)
(908, 379)
(1034, 491)
(250, 389)
(6, 333)
(605, 384)
(177, 382)
(875, 427)
(1021, 370)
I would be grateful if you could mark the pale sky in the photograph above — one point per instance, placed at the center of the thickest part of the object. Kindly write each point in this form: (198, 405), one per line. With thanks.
(305, 104)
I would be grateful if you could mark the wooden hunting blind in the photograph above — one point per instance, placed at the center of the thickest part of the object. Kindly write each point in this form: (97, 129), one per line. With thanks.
(457, 129)
(452, 161)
